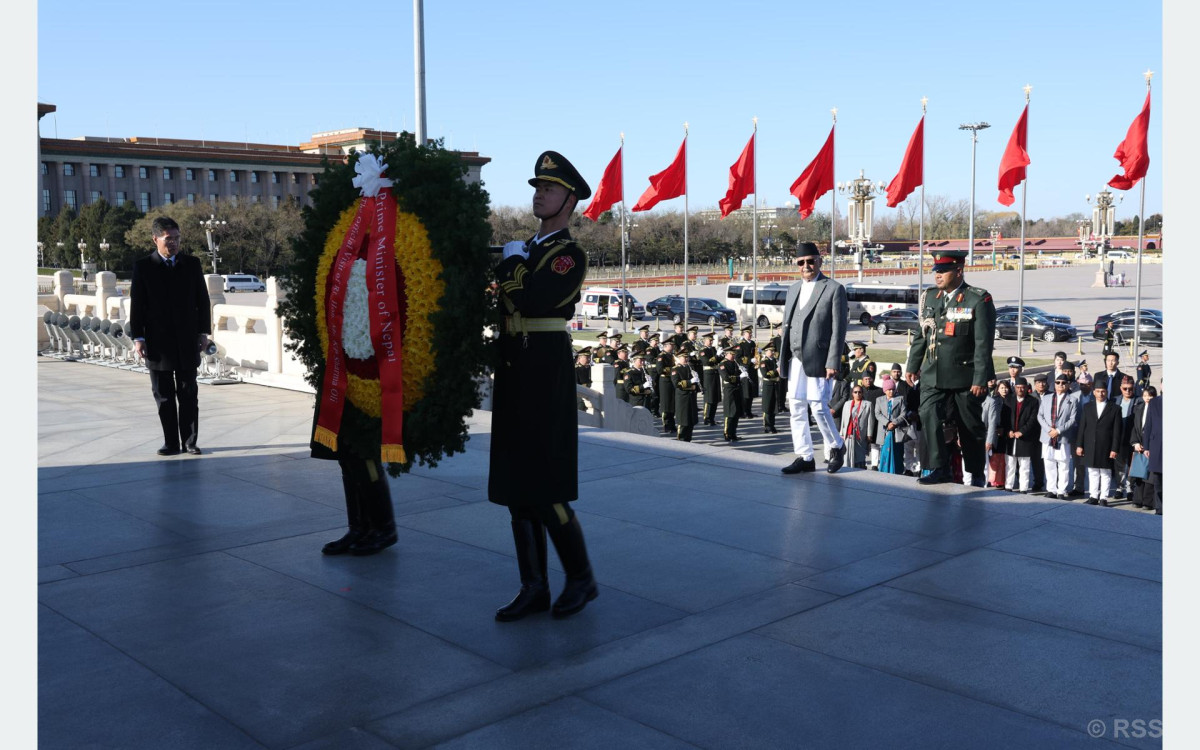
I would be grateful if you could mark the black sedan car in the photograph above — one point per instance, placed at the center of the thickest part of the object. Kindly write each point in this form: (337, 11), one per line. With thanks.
(1122, 317)
(661, 305)
(1043, 328)
(1151, 329)
(1066, 319)
(700, 310)
(896, 321)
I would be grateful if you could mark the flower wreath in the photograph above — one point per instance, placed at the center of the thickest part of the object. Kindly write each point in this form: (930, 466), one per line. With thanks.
(437, 281)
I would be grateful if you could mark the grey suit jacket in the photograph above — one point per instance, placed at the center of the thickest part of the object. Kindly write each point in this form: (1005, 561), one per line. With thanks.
(1067, 422)
(822, 325)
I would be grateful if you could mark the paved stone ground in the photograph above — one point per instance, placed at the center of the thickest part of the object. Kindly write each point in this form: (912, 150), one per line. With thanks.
(183, 602)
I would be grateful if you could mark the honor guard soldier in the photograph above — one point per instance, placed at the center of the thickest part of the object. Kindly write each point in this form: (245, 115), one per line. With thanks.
(678, 337)
(583, 372)
(726, 340)
(652, 348)
(686, 385)
(692, 337)
(953, 354)
(711, 380)
(600, 350)
(642, 342)
(748, 358)
(610, 357)
(620, 367)
(1143, 372)
(731, 391)
(769, 371)
(776, 341)
(651, 400)
(861, 364)
(666, 387)
(637, 382)
(535, 419)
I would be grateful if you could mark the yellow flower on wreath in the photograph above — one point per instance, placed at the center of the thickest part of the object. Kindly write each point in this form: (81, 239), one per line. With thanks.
(423, 287)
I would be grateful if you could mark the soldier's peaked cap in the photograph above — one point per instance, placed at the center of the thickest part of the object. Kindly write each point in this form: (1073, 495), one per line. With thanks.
(1016, 362)
(554, 167)
(945, 260)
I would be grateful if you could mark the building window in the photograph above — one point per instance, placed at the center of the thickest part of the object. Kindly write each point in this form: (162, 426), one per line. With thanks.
(96, 195)
(313, 177)
(69, 199)
(212, 175)
(168, 198)
(189, 174)
(274, 201)
(45, 168)
(274, 177)
(255, 199)
(233, 200)
(118, 171)
(191, 199)
(295, 178)
(94, 170)
(121, 198)
(145, 203)
(68, 170)
(233, 175)
(212, 198)
(45, 201)
(253, 177)
(166, 173)
(143, 172)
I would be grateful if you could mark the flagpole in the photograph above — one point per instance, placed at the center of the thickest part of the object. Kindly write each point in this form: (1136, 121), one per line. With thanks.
(1137, 304)
(1024, 185)
(624, 312)
(754, 231)
(833, 207)
(686, 309)
(921, 230)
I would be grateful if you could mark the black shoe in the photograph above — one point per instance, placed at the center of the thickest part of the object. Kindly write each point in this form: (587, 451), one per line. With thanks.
(529, 537)
(581, 584)
(976, 481)
(193, 450)
(837, 456)
(377, 508)
(1104, 503)
(800, 465)
(937, 476)
(1093, 501)
(343, 545)
(167, 450)
(1119, 495)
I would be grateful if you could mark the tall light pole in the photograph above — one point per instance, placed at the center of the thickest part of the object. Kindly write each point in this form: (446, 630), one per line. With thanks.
(418, 69)
(861, 205)
(104, 246)
(209, 225)
(82, 254)
(974, 127)
(41, 254)
(994, 232)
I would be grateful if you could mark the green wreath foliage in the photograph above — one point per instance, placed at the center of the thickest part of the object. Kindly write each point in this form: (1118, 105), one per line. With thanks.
(427, 182)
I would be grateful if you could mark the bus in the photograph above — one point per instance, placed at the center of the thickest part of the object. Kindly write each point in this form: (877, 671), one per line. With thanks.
(867, 299)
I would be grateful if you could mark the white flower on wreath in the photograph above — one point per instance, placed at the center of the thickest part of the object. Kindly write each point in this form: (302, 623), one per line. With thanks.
(356, 322)
(369, 175)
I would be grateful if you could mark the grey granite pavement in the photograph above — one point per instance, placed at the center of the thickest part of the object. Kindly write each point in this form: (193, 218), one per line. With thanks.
(184, 602)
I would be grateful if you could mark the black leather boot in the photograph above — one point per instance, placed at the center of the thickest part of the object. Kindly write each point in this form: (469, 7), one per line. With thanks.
(529, 537)
(355, 518)
(581, 585)
(377, 502)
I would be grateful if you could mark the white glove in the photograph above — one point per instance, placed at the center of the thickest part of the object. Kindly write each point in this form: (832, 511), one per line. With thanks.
(744, 374)
(695, 378)
(516, 247)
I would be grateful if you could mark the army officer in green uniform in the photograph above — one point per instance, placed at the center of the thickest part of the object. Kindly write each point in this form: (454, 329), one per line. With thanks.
(953, 354)
(534, 467)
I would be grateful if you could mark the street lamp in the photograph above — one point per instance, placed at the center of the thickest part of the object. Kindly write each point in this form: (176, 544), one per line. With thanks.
(209, 225)
(861, 214)
(41, 254)
(1104, 214)
(994, 231)
(60, 246)
(974, 127)
(82, 259)
(104, 246)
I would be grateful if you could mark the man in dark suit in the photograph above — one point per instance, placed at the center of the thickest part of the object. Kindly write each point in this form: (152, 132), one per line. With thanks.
(814, 335)
(1152, 441)
(1099, 444)
(1110, 379)
(170, 318)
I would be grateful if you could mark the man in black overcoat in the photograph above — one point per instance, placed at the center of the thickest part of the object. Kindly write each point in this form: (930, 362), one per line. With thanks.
(534, 468)
(1099, 442)
(170, 319)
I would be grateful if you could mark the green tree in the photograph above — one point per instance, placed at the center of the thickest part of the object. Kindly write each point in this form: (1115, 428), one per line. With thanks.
(115, 229)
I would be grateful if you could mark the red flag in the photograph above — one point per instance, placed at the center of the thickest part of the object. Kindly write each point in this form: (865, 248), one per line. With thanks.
(1014, 161)
(741, 181)
(667, 184)
(609, 192)
(816, 179)
(1132, 152)
(912, 169)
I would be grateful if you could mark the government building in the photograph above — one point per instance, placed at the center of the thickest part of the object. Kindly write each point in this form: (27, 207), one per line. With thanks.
(152, 172)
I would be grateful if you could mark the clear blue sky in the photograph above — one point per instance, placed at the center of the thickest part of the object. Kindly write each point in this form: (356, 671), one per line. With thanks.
(511, 79)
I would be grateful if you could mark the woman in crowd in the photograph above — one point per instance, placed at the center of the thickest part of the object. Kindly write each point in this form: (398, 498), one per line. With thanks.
(858, 426)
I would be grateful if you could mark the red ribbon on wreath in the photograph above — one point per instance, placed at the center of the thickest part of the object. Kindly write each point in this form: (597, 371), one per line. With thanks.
(376, 216)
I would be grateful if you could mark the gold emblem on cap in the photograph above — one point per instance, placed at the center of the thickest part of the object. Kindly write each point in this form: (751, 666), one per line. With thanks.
(548, 163)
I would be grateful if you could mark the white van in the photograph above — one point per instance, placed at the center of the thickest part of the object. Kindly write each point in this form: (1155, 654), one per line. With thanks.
(240, 282)
(601, 302)
(771, 298)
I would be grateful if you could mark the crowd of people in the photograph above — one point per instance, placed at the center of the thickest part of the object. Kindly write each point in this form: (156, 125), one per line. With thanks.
(1064, 434)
